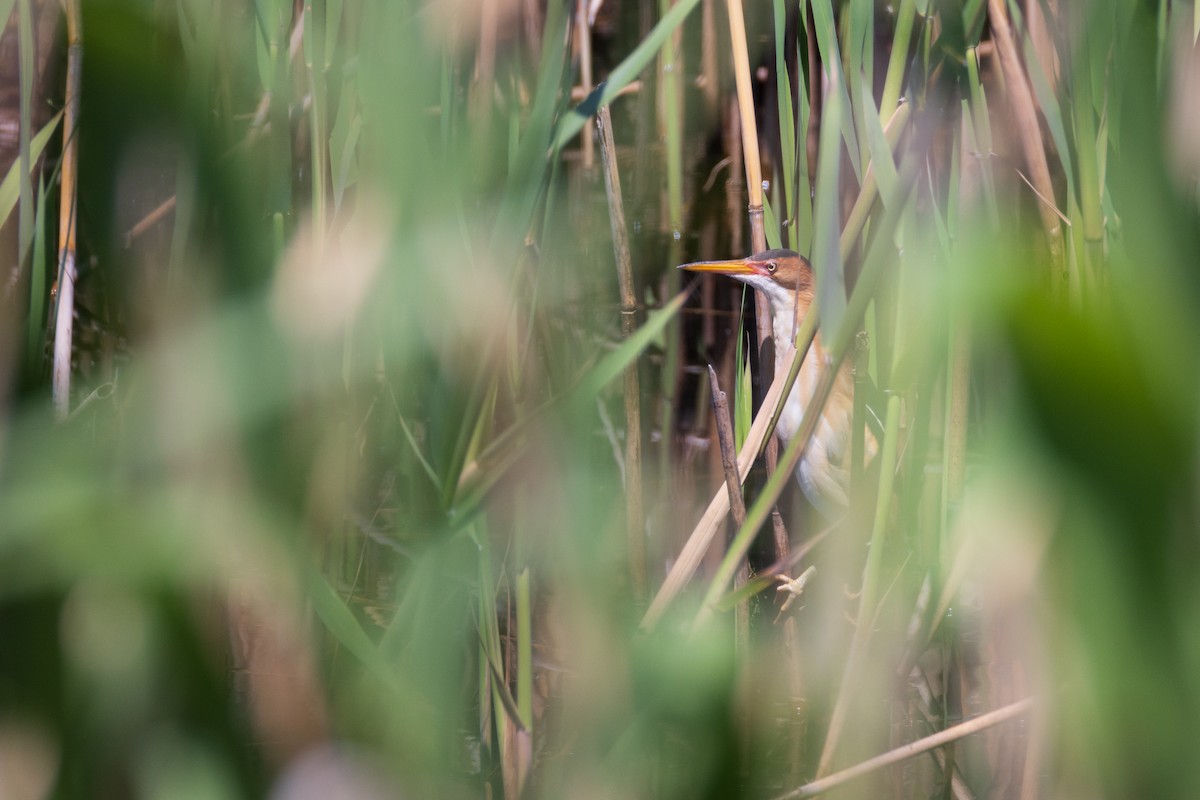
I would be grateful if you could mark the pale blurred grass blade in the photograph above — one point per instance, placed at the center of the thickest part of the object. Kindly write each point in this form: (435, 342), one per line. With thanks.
(529, 164)
(343, 143)
(25, 126)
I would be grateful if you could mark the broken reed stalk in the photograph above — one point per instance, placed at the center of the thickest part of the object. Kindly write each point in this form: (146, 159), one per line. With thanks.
(635, 525)
(904, 752)
(733, 485)
(1025, 114)
(63, 325)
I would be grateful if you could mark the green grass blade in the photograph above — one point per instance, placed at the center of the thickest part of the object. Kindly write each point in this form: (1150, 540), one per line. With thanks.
(787, 120)
(771, 225)
(36, 331)
(826, 253)
(614, 363)
(625, 72)
(10, 187)
(898, 60)
(831, 56)
(880, 151)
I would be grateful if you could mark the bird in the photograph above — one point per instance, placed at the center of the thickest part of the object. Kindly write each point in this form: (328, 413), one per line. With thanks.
(787, 280)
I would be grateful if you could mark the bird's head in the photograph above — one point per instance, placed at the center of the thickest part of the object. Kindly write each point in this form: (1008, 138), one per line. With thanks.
(784, 275)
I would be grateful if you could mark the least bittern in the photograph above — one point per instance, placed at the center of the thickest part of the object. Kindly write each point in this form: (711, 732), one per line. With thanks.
(786, 278)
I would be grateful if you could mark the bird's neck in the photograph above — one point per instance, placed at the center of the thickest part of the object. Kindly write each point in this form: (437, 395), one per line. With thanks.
(787, 311)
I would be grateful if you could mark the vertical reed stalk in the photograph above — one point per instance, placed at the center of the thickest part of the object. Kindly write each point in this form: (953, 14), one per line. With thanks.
(753, 164)
(1030, 134)
(63, 326)
(758, 238)
(634, 516)
(671, 108)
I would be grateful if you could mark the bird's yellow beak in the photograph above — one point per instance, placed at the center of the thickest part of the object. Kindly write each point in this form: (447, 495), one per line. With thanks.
(738, 266)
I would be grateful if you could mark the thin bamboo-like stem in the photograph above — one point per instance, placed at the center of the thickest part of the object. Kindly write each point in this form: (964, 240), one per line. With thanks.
(635, 523)
(924, 745)
(745, 95)
(751, 158)
(758, 237)
(1025, 113)
(63, 326)
(671, 122)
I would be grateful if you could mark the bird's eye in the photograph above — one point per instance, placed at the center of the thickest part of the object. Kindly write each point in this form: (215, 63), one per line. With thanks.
(772, 266)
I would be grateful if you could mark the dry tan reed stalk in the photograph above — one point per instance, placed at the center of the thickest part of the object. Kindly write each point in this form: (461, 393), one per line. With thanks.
(951, 734)
(635, 523)
(733, 485)
(63, 326)
(1025, 113)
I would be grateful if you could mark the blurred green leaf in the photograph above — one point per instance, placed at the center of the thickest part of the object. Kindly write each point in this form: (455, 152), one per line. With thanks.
(11, 186)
